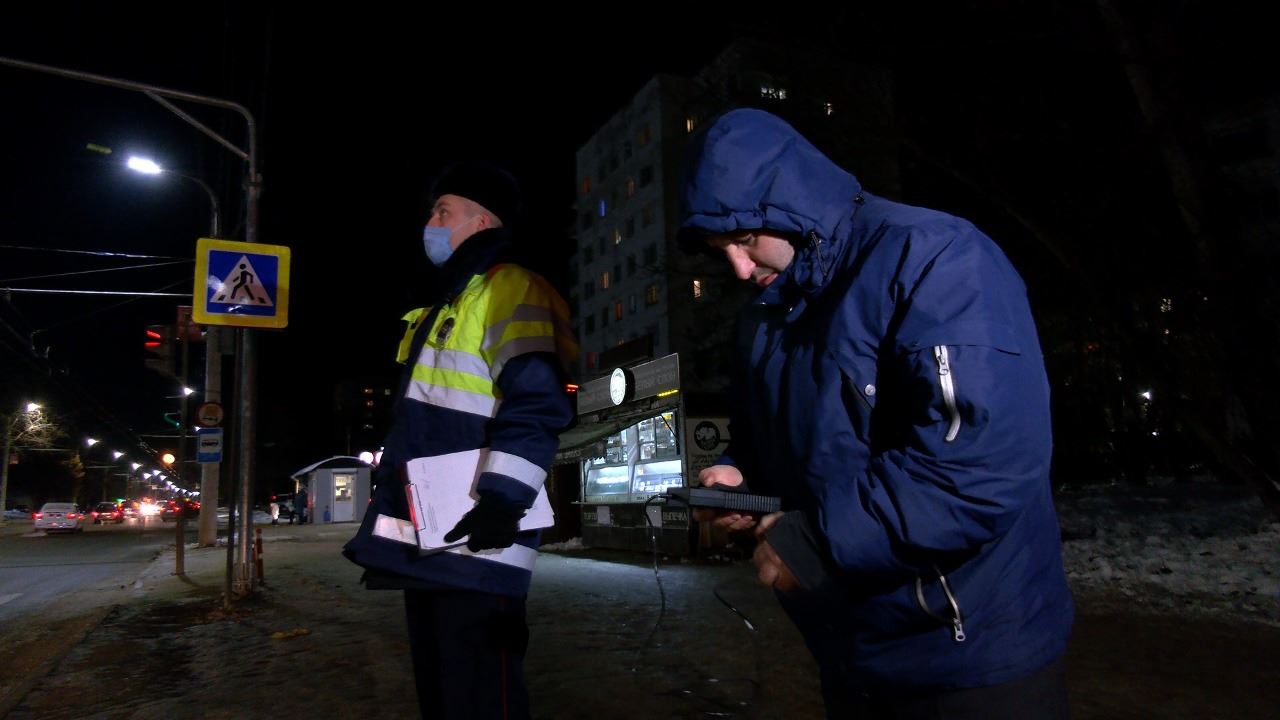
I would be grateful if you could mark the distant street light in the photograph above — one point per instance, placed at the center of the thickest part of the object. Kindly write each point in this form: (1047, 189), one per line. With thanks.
(32, 407)
(90, 442)
(187, 391)
(116, 454)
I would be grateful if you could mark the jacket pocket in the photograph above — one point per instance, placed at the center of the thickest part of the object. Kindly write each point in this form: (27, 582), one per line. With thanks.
(941, 356)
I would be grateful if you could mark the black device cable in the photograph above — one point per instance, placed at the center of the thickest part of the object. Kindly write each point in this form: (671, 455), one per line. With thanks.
(662, 593)
(662, 609)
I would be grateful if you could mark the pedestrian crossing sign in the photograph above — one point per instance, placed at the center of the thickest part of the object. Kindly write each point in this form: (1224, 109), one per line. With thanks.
(241, 284)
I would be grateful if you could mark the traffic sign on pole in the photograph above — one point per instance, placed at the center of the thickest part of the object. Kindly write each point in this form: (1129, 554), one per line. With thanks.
(241, 284)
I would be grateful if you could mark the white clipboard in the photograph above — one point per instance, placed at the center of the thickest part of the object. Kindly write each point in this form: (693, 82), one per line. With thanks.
(442, 488)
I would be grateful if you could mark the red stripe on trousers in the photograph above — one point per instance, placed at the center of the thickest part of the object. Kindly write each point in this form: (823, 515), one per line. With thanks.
(502, 606)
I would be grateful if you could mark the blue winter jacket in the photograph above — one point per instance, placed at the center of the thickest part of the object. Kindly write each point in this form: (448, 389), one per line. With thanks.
(896, 399)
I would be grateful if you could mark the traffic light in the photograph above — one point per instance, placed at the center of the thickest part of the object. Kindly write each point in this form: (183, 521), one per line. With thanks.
(159, 348)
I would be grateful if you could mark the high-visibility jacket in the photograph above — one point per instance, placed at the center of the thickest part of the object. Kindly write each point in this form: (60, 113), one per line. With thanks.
(490, 374)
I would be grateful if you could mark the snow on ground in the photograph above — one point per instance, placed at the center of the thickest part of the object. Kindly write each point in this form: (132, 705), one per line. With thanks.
(1198, 547)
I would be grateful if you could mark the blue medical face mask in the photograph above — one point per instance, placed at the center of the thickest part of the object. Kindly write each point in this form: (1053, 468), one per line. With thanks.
(436, 242)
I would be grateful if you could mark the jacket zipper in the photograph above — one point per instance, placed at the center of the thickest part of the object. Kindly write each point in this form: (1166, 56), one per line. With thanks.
(948, 390)
(957, 620)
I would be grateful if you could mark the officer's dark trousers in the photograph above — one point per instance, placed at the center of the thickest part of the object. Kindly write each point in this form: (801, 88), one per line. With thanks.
(468, 654)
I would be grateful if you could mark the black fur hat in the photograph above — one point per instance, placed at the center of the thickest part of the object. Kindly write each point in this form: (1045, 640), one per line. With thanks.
(482, 183)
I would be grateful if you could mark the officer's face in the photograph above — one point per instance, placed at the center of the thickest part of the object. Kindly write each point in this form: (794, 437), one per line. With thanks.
(757, 256)
(461, 216)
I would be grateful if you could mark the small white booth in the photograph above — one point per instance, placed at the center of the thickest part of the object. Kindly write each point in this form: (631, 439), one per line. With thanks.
(337, 489)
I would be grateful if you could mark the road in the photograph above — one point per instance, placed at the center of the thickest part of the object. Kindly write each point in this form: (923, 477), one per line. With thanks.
(55, 588)
(38, 572)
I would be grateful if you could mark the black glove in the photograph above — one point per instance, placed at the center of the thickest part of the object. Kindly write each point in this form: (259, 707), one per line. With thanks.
(492, 524)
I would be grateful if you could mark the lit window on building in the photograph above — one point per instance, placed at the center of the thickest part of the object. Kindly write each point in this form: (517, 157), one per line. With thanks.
(829, 108)
(697, 288)
(773, 93)
(690, 123)
(604, 280)
(604, 208)
(367, 391)
(617, 236)
(1166, 305)
(617, 310)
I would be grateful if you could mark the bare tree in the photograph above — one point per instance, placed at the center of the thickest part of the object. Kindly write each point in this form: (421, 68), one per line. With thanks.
(28, 427)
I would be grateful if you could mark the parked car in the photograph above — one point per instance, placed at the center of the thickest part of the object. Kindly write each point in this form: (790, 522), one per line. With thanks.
(60, 517)
(105, 512)
(18, 512)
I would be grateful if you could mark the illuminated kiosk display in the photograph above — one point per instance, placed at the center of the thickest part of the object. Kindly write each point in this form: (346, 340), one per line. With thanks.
(632, 441)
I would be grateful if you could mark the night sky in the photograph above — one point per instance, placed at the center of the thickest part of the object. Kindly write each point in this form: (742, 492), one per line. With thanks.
(1020, 118)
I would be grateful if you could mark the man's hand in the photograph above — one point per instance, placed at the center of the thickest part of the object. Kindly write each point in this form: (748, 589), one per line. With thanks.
(770, 569)
(731, 520)
(491, 524)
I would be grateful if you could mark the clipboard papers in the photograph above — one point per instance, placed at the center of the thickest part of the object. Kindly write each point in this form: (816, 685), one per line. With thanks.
(441, 489)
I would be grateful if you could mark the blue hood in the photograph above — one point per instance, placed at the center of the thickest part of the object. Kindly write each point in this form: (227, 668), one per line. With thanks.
(750, 170)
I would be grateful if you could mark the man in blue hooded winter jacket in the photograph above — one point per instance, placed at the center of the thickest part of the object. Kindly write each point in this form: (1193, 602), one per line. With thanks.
(891, 390)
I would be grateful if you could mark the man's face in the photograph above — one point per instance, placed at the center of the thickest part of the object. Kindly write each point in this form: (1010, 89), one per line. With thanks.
(458, 214)
(758, 256)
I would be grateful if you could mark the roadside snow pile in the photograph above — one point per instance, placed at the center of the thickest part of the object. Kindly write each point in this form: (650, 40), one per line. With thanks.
(1197, 547)
(570, 544)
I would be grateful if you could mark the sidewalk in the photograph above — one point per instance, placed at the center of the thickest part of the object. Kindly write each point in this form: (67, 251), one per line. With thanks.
(313, 643)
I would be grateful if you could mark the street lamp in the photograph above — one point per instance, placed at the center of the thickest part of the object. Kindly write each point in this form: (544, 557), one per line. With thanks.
(90, 442)
(116, 454)
(32, 407)
(147, 166)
